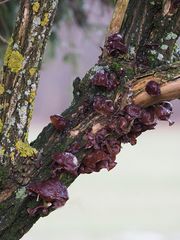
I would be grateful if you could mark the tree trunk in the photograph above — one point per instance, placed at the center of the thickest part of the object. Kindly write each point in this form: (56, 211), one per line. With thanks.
(150, 30)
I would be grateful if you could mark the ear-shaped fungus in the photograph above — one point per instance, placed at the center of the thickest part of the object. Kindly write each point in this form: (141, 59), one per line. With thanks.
(58, 122)
(163, 112)
(133, 111)
(103, 106)
(115, 45)
(52, 192)
(97, 160)
(65, 162)
(148, 116)
(105, 79)
(153, 88)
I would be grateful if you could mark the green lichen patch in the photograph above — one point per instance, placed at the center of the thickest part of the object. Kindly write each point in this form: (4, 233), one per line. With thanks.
(21, 193)
(24, 149)
(2, 150)
(45, 20)
(1, 89)
(15, 61)
(32, 96)
(1, 126)
(115, 66)
(32, 71)
(36, 7)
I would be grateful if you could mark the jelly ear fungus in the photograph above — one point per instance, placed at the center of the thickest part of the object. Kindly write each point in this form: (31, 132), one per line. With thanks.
(52, 194)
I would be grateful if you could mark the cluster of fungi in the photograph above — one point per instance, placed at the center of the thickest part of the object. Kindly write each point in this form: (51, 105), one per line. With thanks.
(121, 126)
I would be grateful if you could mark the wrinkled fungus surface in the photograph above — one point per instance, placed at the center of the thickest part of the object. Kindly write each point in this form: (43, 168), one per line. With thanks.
(65, 162)
(105, 79)
(115, 45)
(163, 112)
(123, 127)
(97, 160)
(103, 105)
(51, 191)
(58, 122)
(153, 88)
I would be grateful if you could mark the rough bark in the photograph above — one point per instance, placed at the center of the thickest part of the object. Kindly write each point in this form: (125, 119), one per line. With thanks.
(142, 31)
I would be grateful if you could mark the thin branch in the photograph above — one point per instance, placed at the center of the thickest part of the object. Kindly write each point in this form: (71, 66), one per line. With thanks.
(5, 1)
(169, 92)
(81, 117)
(20, 75)
(3, 40)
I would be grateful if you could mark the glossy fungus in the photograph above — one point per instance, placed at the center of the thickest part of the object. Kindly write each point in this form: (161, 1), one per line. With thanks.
(122, 123)
(96, 140)
(64, 162)
(103, 106)
(153, 88)
(148, 116)
(115, 45)
(134, 111)
(163, 112)
(52, 192)
(97, 160)
(105, 79)
(58, 122)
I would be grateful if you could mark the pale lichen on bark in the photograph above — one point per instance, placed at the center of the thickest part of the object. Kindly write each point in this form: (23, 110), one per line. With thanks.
(20, 74)
(18, 89)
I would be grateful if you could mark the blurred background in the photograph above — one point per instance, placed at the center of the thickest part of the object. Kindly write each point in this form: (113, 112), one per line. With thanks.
(140, 198)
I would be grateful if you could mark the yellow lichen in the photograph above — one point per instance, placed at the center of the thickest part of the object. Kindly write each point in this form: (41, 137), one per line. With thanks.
(1, 89)
(15, 61)
(32, 71)
(12, 154)
(2, 151)
(26, 136)
(45, 20)
(24, 149)
(36, 7)
(4, 106)
(32, 96)
(1, 126)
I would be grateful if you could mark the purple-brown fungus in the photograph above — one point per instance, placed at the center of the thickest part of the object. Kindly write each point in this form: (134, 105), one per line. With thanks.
(97, 160)
(51, 191)
(115, 45)
(175, 3)
(74, 148)
(153, 88)
(122, 123)
(112, 146)
(58, 122)
(163, 112)
(148, 116)
(64, 162)
(105, 79)
(133, 111)
(95, 140)
(103, 106)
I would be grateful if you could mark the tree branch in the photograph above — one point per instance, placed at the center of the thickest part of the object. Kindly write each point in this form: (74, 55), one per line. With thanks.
(82, 118)
(3, 40)
(20, 77)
